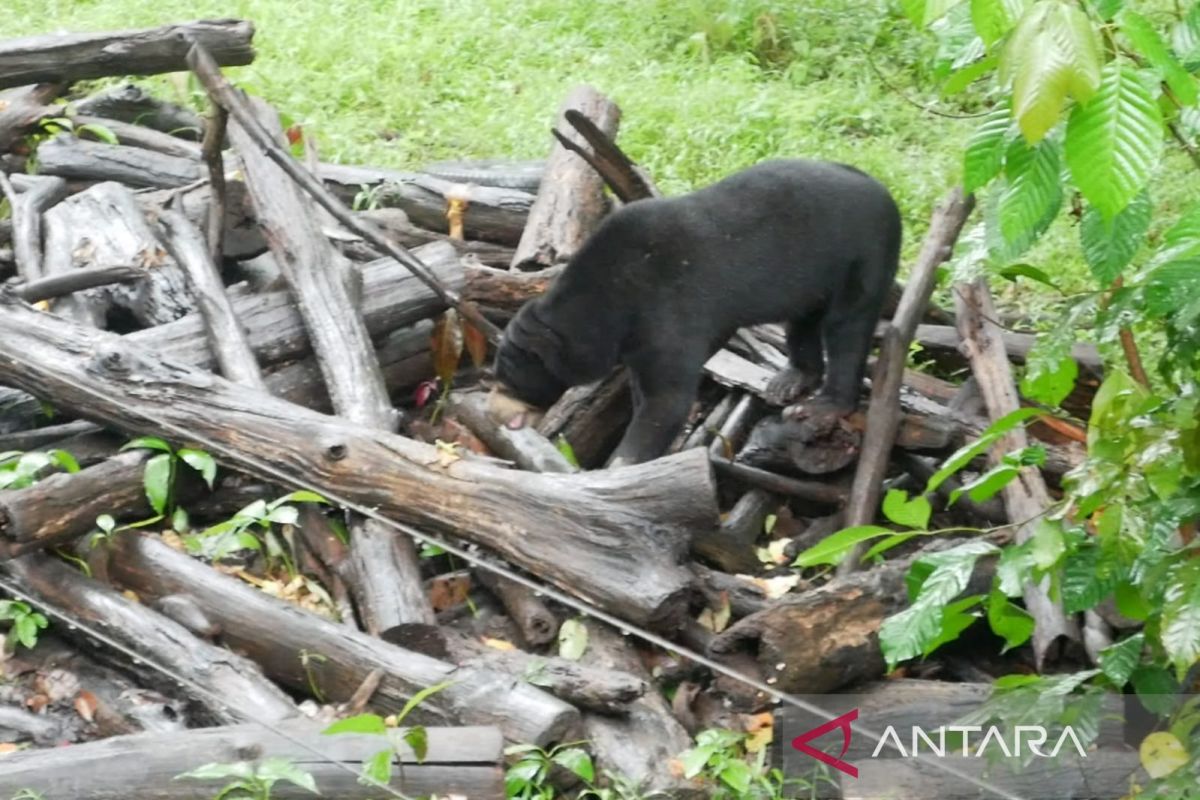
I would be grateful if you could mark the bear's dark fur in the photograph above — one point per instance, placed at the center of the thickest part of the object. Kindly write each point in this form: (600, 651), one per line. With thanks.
(664, 283)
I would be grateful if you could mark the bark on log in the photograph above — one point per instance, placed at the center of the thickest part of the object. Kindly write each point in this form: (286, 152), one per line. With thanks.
(276, 634)
(945, 338)
(1026, 498)
(523, 175)
(459, 761)
(395, 225)
(628, 528)
(505, 290)
(242, 238)
(141, 136)
(537, 624)
(77, 281)
(525, 447)
(22, 108)
(132, 104)
(570, 201)
(78, 159)
(148, 51)
(226, 336)
(883, 414)
(731, 546)
(392, 299)
(103, 226)
(244, 694)
(607, 691)
(827, 637)
(641, 744)
(591, 418)
(27, 208)
(493, 214)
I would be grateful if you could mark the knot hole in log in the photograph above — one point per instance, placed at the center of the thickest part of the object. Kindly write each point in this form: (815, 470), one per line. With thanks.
(337, 451)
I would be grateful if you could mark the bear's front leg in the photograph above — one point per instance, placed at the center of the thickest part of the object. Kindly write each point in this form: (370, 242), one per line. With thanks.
(662, 398)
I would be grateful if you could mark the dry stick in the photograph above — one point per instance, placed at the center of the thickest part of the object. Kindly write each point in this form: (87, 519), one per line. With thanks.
(221, 92)
(883, 414)
(214, 137)
(1025, 498)
(66, 283)
(622, 175)
(226, 335)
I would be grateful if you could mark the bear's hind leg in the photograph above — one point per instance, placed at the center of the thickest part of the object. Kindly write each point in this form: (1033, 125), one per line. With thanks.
(807, 362)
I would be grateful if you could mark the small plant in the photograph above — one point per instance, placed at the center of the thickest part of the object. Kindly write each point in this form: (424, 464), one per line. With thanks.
(722, 757)
(25, 622)
(28, 794)
(252, 529)
(162, 469)
(528, 778)
(378, 768)
(19, 470)
(252, 781)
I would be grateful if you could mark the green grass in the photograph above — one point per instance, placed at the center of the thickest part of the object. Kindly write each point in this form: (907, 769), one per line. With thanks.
(706, 87)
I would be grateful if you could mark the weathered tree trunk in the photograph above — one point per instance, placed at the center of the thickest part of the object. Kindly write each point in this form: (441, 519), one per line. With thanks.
(241, 237)
(394, 224)
(21, 108)
(78, 159)
(27, 209)
(244, 694)
(570, 201)
(73, 57)
(1026, 498)
(642, 743)
(392, 299)
(226, 336)
(276, 635)
(883, 414)
(133, 135)
(132, 104)
(460, 761)
(628, 529)
(104, 227)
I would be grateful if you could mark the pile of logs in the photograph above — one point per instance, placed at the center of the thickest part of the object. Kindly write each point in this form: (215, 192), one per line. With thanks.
(206, 287)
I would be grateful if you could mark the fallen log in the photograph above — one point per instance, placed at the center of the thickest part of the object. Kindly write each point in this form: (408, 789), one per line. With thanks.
(148, 51)
(132, 104)
(570, 201)
(505, 290)
(77, 281)
(731, 546)
(132, 135)
(394, 224)
(591, 418)
(234, 690)
(392, 299)
(1026, 498)
(537, 624)
(643, 743)
(241, 238)
(27, 208)
(277, 635)
(22, 108)
(523, 175)
(77, 159)
(458, 761)
(591, 688)
(946, 339)
(524, 446)
(628, 529)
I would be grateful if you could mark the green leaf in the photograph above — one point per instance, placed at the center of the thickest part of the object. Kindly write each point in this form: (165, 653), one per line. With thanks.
(26, 628)
(378, 768)
(695, 760)
(832, 549)
(1050, 369)
(1171, 287)
(1008, 620)
(282, 769)
(1032, 193)
(564, 447)
(1110, 244)
(577, 761)
(956, 618)
(1114, 141)
(418, 739)
(1181, 242)
(64, 460)
(736, 775)
(572, 639)
(888, 543)
(1107, 9)
(1185, 38)
(215, 771)
(1053, 53)
(914, 513)
(923, 12)
(99, 131)
(179, 520)
(284, 515)
(968, 453)
(1146, 40)
(907, 634)
(1157, 690)
(200, 461)
(1014, 271)
(1180, 633)
(361, 723)
(421, 697)
(106, 523)
(995, 18)
(1130, 602)
(301, 496)
(1118, 661)
(987, 485)
(157, 481)
(147, 443)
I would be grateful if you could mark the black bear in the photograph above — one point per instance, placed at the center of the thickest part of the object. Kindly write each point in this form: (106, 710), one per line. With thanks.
(665, 282)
